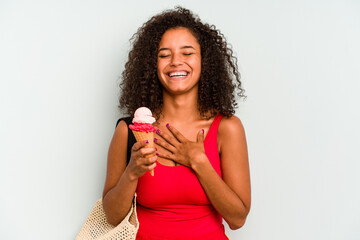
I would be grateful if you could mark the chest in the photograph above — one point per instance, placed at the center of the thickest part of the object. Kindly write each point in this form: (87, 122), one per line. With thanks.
(189, 130)
(170, 186)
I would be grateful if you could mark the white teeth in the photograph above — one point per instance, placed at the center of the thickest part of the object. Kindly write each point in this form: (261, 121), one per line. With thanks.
(178, 74)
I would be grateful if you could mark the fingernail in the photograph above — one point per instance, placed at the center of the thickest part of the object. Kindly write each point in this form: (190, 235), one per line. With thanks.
(167, 125)
(155, 139)
(155, 149)
(158, 131)
(147, 141)
(202, 130)
(157, 154)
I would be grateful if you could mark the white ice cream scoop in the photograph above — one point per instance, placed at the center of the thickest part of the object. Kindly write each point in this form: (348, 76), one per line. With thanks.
(143, 115)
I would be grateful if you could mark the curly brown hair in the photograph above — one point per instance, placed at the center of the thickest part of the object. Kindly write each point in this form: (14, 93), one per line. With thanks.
(219, 77)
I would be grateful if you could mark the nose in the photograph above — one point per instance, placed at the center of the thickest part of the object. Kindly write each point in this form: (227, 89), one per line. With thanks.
(176, 60)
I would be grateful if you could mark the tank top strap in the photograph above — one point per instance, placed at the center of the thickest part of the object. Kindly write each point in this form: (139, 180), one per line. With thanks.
(217, 120)
(213, 130)
(215, 124)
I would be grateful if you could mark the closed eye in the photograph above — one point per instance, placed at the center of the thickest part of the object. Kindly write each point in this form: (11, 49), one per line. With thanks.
(163, 56)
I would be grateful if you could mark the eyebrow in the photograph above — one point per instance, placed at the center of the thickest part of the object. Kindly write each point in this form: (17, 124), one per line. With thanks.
(184, 47)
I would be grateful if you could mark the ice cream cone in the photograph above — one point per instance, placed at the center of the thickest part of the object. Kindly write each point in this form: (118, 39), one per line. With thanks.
(143, 128)
(142, 136)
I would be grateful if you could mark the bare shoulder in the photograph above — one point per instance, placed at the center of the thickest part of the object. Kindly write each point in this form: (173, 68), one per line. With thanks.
(118, 145)
(121, 131)
(232, 145)
(230, 128)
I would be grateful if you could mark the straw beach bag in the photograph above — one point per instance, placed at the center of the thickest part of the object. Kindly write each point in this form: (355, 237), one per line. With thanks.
(97, 228)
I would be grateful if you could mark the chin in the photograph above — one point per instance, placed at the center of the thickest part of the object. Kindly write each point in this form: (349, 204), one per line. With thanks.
(181, 90)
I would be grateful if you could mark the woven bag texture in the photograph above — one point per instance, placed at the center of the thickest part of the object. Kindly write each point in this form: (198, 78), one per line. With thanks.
(97, 228)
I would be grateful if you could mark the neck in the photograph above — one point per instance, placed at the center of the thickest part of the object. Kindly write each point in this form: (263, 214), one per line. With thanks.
(180, 108)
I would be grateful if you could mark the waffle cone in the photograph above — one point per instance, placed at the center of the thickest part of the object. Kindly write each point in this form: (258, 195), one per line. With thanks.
(142, 136)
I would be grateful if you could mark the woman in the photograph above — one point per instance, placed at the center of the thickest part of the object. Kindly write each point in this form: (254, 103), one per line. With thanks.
(184, 72)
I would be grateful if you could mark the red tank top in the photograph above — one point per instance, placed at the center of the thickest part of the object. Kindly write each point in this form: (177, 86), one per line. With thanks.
(173, 205)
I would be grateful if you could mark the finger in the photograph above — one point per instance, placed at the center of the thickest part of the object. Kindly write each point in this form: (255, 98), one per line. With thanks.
(144, 162)
(150, 164)
(167, 156)
(169, 139)
(151, 167)
(150, 160)
(165, 145)
(176, 133)
(201, 136)
(139, 145)
(147, 151)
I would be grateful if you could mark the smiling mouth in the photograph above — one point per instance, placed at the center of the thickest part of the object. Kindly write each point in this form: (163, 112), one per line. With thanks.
(179, 74)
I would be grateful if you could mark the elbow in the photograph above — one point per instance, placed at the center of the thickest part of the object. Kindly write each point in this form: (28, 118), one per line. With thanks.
(239, 220)
(111, 220)
(113, 214)
(237, 224)
(114, 218)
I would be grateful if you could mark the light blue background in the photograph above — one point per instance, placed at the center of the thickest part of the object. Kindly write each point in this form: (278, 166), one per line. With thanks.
(59, 68)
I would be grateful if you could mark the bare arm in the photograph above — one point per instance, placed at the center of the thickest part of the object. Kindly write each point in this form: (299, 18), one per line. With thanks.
(231, 196)
(121, 180)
